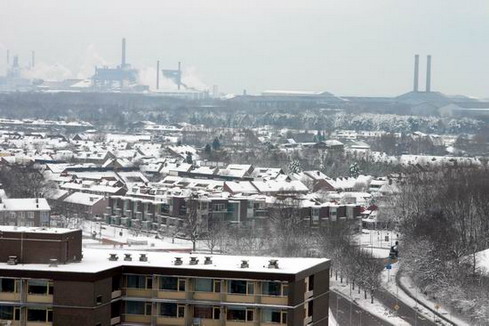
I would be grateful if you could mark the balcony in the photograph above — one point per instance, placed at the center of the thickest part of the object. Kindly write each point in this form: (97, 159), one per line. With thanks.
(240, 298)
(172, 294)
(40, 298)
(138, 292)
(140, 319)
(274, 300)
(38, 323)
(9, 296)
(116, 294)
(171, 321)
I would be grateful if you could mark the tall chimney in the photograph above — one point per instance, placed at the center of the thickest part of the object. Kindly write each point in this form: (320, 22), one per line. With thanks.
(8, 57)
(158, 74)
(123, 61)
(179, 80)
(428, 74)
(33, 63)
(416, 72)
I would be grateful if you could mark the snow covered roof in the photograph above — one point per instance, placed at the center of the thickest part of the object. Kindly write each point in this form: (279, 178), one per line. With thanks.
(11, 228)
(84, 199)
(96, 260)
(280, 186)
(24, 204)
(241, 187)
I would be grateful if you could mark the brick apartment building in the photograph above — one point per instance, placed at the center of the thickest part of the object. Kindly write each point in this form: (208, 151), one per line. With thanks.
(108, 287)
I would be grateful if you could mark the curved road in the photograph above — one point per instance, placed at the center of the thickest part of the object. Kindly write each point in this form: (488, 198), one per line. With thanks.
(340, 308)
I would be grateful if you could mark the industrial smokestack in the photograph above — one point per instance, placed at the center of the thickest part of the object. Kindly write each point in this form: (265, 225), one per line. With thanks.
(428, 74)
(123, 61)
(158, 74)
(416, 72)
(179, 80)
(33, 63)
(8, 57)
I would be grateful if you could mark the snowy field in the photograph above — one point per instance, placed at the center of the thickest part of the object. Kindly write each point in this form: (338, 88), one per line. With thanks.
(100, 235)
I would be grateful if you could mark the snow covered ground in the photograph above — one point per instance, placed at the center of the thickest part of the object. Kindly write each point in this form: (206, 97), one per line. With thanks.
(389, 283)
(331, 320)
(113, 236)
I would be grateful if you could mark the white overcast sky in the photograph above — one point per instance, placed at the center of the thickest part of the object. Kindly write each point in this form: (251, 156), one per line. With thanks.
(348, 47)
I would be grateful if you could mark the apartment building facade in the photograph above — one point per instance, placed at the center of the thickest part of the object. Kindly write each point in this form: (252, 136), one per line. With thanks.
(150, 288)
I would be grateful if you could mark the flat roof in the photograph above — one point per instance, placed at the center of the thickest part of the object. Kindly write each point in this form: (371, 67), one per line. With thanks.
(35, 229)
(97, 260)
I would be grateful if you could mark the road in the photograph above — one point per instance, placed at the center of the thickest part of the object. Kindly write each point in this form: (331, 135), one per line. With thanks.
(340, 307)
(405, 311)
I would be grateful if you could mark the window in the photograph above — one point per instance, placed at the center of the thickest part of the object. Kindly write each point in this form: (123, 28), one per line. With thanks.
(148, 309)
(172, 310)
(216, 313)
(241, 287)
(207, 285)
(7, 285)
(310, 308)
(311, 283)
(39, 315)
(139, 282)
(274, 316)
(169, 283)
(240, 314)
(203, 284)
(40, 287)
(204, 312)
(6, 312)
(181, 284)
(99, 299)
(135, 308)
(272, 288)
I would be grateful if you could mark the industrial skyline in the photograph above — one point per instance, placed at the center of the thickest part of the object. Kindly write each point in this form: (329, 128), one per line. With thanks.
(345, 47)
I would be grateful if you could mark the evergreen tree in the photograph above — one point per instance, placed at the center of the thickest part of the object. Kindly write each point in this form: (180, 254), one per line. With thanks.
(216, 144)
(188, 159)
(207, 149)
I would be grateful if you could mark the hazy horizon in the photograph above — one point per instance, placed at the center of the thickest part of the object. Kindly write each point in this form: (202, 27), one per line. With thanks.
(346, 47)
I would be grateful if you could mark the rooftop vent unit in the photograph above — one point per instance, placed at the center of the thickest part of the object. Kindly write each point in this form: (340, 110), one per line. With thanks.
(127, 257)
(113, 257)
(273, 263)
(208, 260)
(194, 261)
(12, 260)
(178, 261)
(244, 264)
(53, 262)
(143, 257)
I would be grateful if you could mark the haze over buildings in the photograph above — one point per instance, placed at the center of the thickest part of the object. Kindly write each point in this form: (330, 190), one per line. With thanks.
(345, 47)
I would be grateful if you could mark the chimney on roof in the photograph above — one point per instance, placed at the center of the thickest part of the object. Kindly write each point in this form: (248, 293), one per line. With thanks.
(273, 263)
(194, 261)
(428, 74)
(208, 260)
(113, 257)
(178, 261)
(143, 257)
(416, 72)
(53, 262)
(244, 264)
